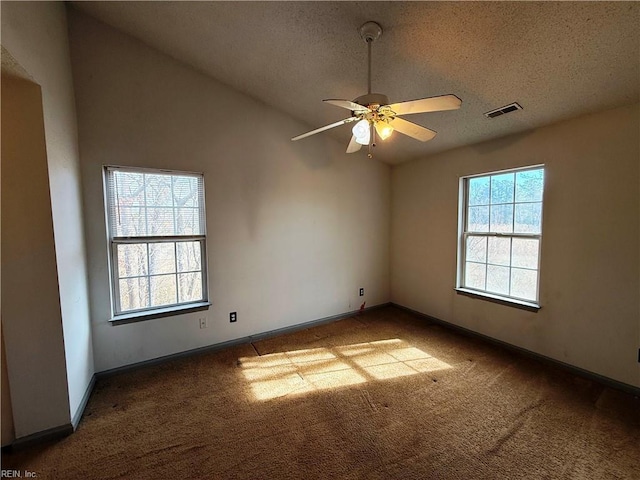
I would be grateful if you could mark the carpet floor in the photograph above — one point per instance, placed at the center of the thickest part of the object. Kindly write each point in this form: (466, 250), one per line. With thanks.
(382, 395)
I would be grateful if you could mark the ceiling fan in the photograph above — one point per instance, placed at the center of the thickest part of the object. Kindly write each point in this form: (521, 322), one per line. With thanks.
(373, 114)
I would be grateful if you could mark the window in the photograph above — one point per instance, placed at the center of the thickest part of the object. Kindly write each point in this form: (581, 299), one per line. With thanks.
(156, 226)
(501, 233)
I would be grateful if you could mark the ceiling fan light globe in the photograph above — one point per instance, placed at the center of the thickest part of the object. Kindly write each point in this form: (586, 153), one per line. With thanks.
(363, 140)
(362, 132)
(384, 130)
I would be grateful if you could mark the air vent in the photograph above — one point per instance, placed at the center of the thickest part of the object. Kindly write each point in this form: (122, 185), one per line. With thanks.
(502, 110)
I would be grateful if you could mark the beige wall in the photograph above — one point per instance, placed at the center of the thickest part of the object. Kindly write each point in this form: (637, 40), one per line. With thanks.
(294, 228)
(31, 315)
(35, 34)
(8, 434)
(589, 266)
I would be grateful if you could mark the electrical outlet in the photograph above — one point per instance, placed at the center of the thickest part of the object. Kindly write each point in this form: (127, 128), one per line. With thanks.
(362, 292)
(203, 322)
(233, 317)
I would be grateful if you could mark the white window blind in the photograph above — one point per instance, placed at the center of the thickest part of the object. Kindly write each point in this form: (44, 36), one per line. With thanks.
(157, 235)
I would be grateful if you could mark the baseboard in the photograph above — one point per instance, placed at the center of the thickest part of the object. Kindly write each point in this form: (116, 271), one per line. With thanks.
(65, 430)
(174, 356)
(609, 382)
(54, 433)
(75, 421)
(313, 323)
(235, 342)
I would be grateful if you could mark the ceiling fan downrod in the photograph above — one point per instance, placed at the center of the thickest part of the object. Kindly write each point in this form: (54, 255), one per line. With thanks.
(370, 32)
(369, 42)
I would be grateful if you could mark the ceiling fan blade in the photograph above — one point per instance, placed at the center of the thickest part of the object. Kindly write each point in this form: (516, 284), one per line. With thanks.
(353, 145)
(322, 129)
(412, 130)
(354, 107)
(424, 105)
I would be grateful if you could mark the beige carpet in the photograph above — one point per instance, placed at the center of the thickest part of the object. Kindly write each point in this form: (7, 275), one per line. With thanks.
(384, 395)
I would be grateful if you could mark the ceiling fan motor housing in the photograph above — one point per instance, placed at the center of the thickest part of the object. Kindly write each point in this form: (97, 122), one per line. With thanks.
(372, 99)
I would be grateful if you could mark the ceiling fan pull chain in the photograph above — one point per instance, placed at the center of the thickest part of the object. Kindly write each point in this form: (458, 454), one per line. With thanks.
(372, 139)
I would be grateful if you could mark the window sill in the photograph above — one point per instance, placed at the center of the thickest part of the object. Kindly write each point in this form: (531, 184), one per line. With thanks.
(158, 313)
(510, 302)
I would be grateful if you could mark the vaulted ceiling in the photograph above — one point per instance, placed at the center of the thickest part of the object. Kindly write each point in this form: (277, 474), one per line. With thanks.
(557, 59)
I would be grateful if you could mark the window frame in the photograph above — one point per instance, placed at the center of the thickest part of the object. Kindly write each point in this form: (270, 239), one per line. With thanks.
(117, 314)
(464, 234)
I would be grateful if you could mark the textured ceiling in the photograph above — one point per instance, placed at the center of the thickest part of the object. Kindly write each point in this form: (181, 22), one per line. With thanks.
(558, 60)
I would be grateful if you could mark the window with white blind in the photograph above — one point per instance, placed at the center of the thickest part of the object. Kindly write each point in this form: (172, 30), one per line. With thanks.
(157, 239)
(501, 234)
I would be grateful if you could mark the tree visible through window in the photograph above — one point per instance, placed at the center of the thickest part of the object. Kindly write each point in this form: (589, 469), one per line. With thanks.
(157, 238)
(501, 233)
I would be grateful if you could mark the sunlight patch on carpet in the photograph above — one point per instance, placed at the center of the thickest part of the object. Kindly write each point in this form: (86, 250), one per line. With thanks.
(303, 371)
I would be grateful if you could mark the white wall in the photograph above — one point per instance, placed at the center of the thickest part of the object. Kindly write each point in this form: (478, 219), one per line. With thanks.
(35, 34)
(294, 228)
(589, 283)
(31, 316)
